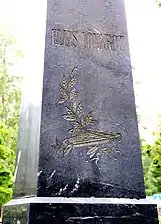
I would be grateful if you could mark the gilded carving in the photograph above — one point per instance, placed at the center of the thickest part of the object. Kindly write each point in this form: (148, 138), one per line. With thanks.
(81, 133)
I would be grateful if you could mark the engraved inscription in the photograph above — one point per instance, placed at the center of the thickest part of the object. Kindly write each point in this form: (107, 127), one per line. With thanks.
(64, 38)
(85, 39)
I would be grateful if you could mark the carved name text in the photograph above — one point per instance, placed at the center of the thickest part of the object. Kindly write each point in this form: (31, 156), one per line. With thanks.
(85, 39)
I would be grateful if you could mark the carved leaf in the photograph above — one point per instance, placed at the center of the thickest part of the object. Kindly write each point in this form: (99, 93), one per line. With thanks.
(92, 155)
(79, 109)
(62, 100)
(77, 126)
(74, 105)
(73, 94)
(92, 151)
(63, 91)
(68, 150)
(72, 81)
(63, 95)
(96, 160)
(64, 82)
(88, 119)
(71, 131)
(105, 150)
(68, 118)
(82, 121)
(70, 112)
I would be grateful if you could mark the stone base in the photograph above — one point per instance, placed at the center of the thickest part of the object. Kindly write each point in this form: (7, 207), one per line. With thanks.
(79, 211)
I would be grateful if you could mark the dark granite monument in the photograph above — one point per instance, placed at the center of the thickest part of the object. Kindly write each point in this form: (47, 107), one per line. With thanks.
(78, 158)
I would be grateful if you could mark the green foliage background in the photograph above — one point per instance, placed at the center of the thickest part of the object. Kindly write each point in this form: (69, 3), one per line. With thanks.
(10, 96)
(151, 157)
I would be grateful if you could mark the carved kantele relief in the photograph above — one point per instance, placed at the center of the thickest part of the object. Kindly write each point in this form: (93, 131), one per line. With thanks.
(81, 134)
(85, 39)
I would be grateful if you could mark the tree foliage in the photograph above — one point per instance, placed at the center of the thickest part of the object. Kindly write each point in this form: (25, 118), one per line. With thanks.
(6, 164)
(151, 156)
(10, 96)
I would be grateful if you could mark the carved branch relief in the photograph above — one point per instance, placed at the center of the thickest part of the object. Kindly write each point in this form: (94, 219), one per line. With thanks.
(82, 132)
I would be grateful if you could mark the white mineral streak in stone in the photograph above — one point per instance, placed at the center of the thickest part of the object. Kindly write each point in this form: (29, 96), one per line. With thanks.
(76, 186)
(39, 173)
(104, 217)
(62, 190)
(52, 174)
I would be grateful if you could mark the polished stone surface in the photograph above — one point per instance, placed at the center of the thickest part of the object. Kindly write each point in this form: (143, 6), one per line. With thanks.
(77, 213)
(88, 142)
(87, 77)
